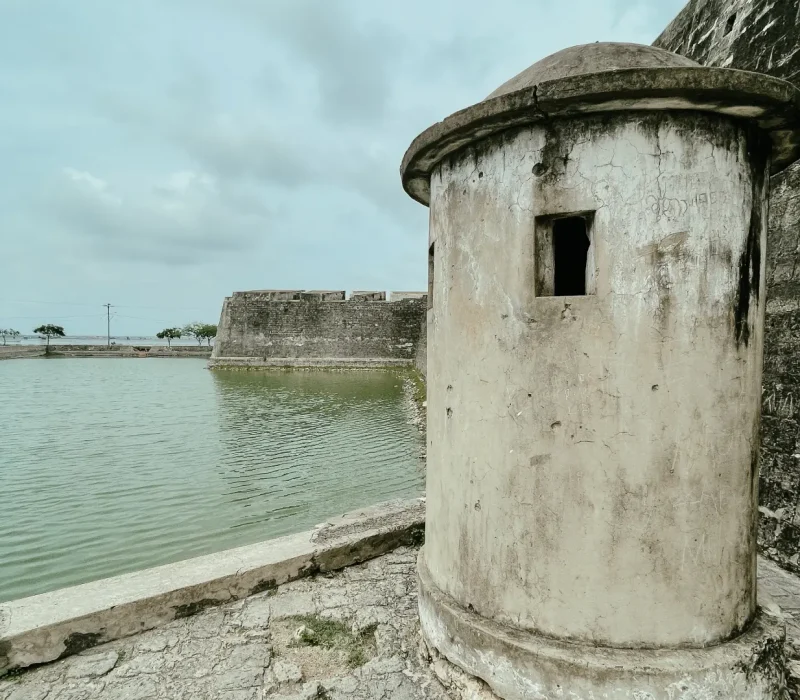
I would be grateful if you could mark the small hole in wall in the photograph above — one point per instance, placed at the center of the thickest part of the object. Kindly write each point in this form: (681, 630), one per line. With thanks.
(729, 24)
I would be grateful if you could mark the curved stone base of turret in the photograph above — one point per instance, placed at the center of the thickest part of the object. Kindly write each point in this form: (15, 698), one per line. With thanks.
(519, 665)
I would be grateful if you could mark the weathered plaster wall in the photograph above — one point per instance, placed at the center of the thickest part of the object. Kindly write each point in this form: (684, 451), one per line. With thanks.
(317, 325)
(764, 36)
(599, 448)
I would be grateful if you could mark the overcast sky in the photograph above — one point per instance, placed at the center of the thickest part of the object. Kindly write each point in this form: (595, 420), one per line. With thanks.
(161, 154)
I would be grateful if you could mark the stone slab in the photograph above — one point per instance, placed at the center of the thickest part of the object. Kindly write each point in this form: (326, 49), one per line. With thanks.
(323, 295)
(52, 625)
(404, 296)
(367, 296)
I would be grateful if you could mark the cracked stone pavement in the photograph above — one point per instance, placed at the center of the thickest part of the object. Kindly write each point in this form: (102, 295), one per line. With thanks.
(246, 650)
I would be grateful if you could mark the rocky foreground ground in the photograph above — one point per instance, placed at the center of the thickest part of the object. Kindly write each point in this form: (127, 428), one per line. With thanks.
(351, 635)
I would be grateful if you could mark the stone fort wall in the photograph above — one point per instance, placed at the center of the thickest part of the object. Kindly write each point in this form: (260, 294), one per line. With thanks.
(764, 36)
(300, 328)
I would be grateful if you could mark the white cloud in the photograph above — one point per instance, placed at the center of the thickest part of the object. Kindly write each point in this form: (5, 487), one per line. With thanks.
(183, 218)
(91, 184)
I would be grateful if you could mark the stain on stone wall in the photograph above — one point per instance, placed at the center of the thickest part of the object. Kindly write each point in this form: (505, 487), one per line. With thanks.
(421, 358)
(273, 325)
(764, 36)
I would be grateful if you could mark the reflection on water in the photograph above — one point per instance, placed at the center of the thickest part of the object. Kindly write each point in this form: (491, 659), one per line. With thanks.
(110, 465)
(317, 436)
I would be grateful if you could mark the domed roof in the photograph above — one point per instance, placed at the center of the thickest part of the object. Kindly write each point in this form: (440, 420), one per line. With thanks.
(593, 58)
(610, 77)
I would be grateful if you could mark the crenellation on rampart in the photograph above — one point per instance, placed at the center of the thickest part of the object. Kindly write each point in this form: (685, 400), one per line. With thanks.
(323, 295)
(272, 294)
(368, 296)
(401, 296)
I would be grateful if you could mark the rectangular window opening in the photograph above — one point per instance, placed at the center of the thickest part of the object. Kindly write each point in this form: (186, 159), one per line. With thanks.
(570, 246)
(564, 256)
(430, 275)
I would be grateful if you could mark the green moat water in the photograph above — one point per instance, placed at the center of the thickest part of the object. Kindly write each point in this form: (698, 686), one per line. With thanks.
(110, 465)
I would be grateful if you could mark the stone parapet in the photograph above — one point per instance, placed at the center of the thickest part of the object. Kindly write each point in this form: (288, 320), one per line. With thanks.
(53, 625)
(368, 296)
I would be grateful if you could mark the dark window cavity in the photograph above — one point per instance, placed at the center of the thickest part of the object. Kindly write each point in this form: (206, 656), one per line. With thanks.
(564, 256)
(570, 246)
(729, 24)
(430, 275)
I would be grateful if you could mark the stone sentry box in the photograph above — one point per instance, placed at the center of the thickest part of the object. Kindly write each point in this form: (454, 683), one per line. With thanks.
(597, 228)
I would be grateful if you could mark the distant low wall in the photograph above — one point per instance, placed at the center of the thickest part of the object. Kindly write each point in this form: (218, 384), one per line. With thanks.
(12, 352)
(298, 328)
(127, 351)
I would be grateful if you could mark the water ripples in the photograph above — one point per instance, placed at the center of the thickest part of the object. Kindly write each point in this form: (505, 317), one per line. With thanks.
(109, 465)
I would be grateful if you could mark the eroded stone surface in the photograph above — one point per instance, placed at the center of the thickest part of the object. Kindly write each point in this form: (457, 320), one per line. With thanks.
(93, 665)
(244, 650)
(247, 649)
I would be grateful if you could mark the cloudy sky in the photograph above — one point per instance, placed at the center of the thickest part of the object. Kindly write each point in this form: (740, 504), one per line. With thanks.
(161, 154)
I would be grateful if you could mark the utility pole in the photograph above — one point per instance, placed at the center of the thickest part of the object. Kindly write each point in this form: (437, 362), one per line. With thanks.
(108, 318)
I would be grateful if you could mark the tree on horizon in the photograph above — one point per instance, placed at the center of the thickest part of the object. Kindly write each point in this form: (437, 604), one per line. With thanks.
(8, 332)
(201, 332)
(169, 334)
(49, 330)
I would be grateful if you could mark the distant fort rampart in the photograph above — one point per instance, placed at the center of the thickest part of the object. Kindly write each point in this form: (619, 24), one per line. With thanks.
(285, 328)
